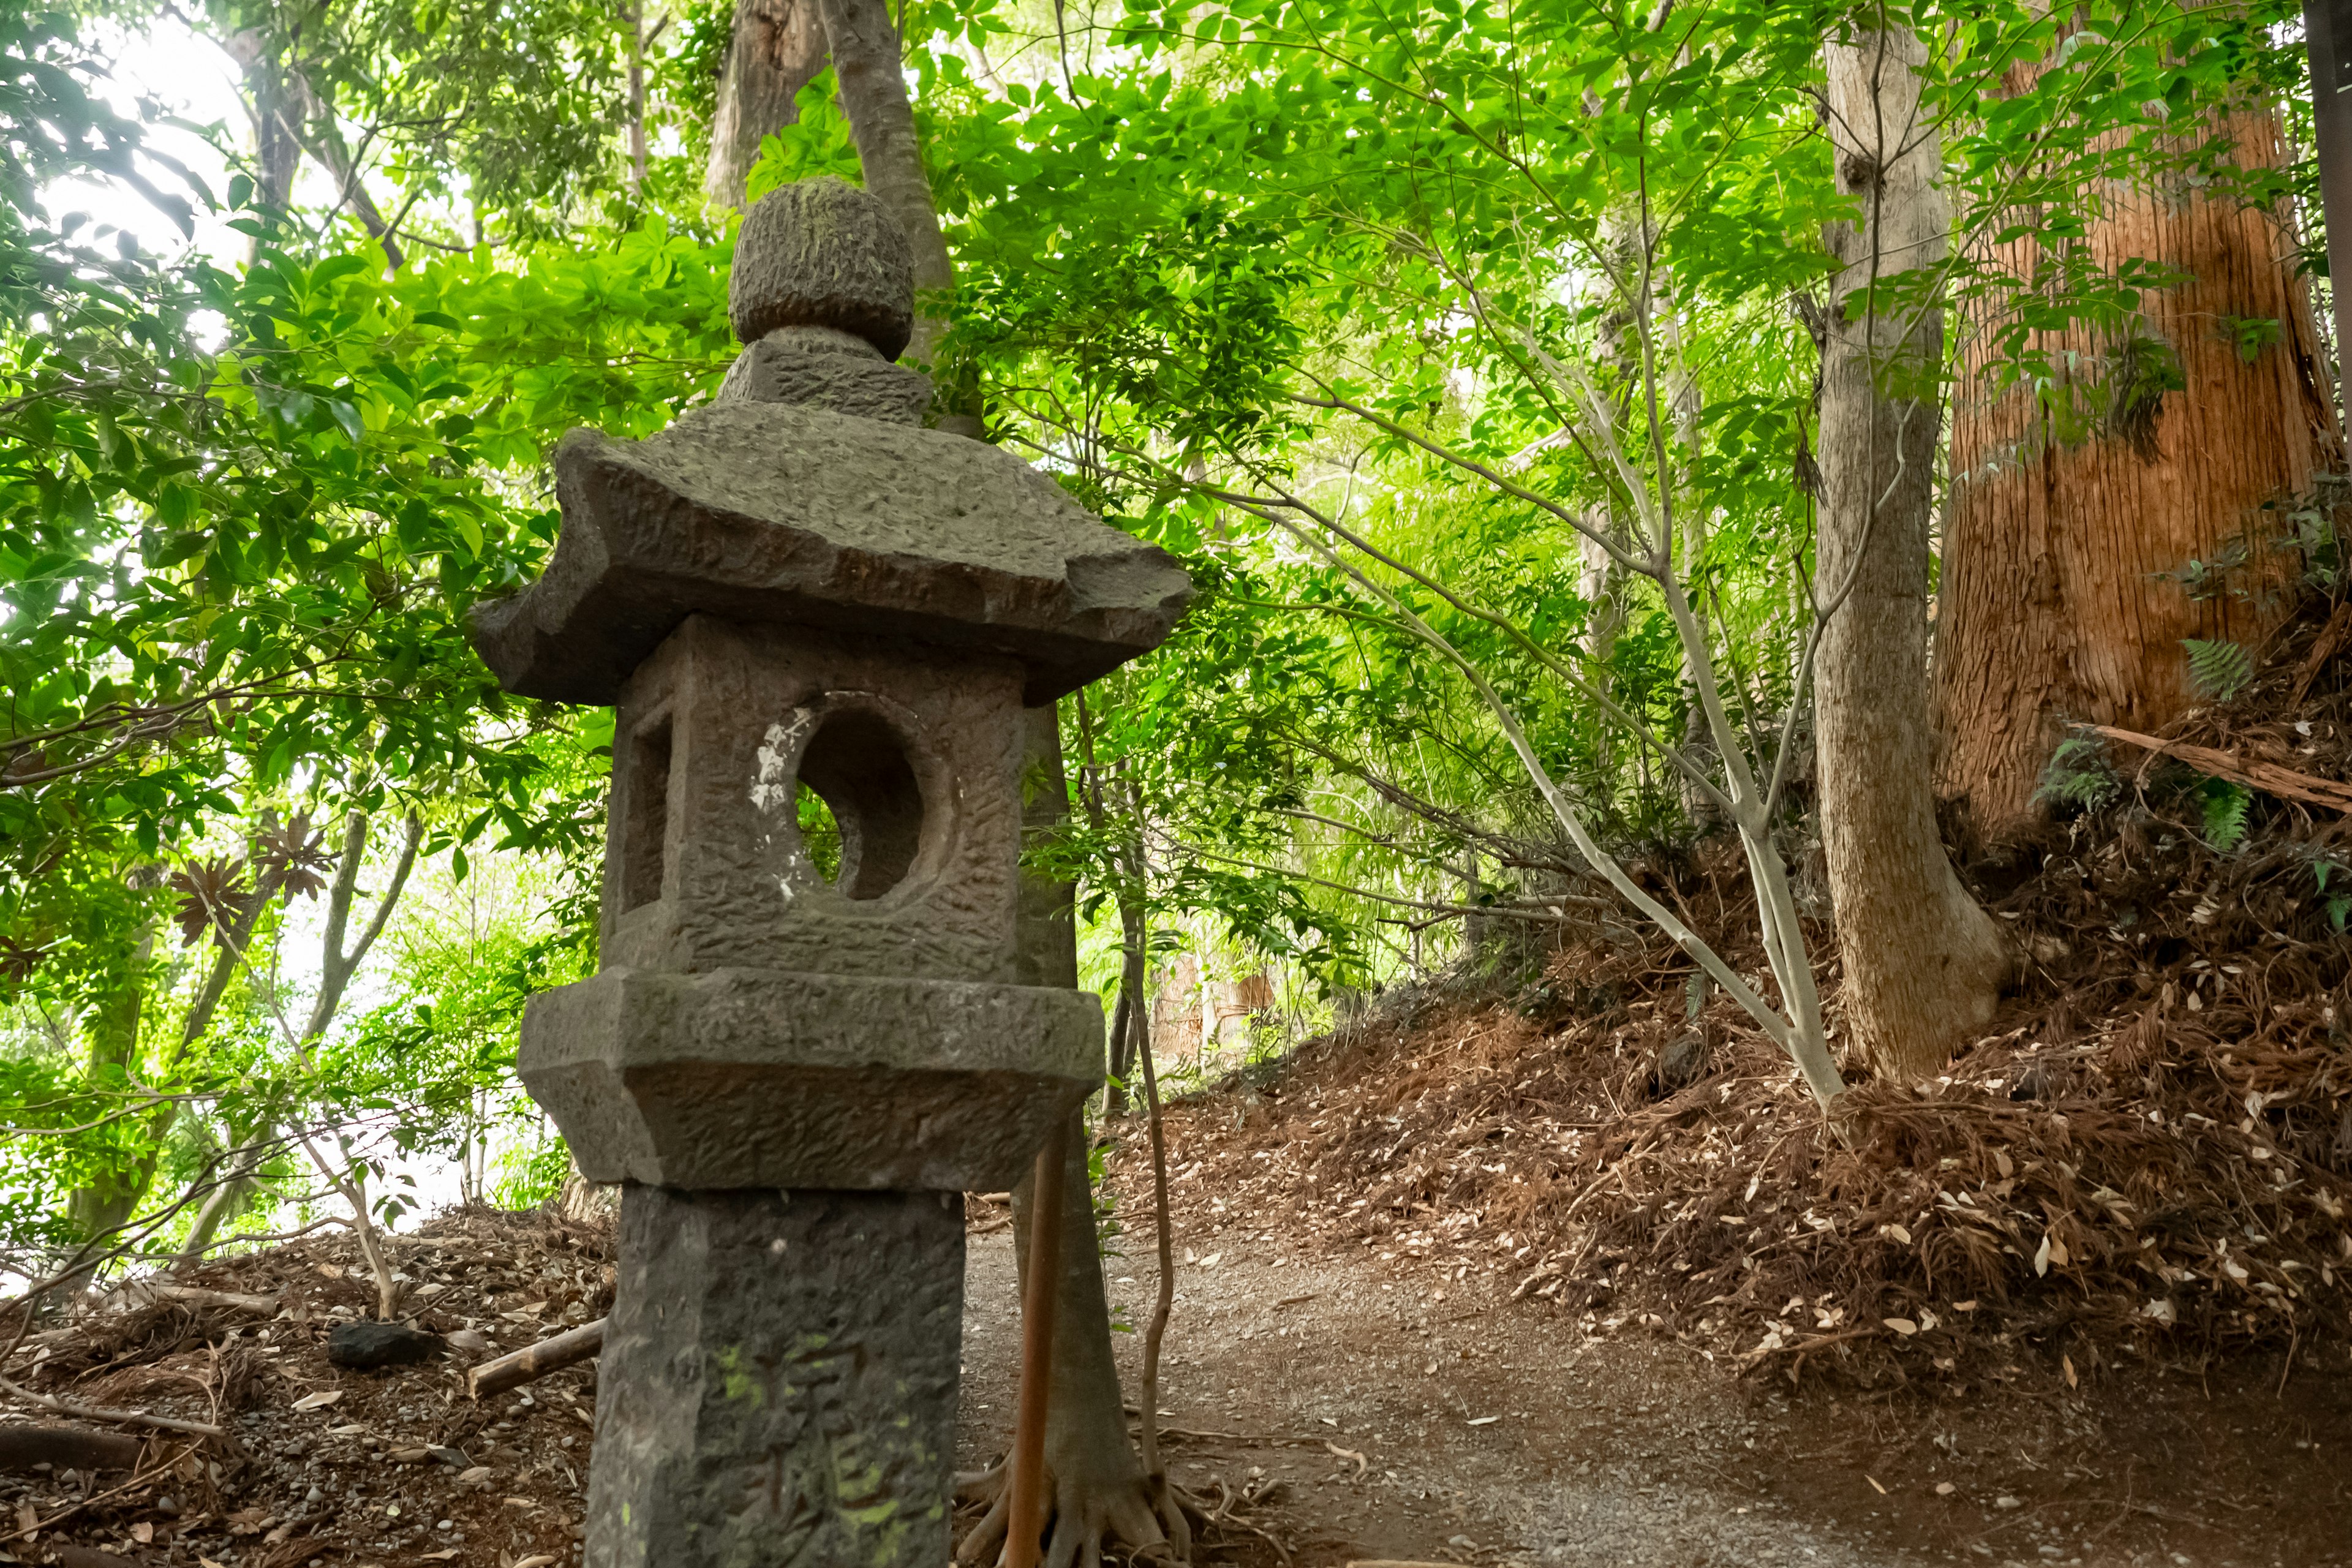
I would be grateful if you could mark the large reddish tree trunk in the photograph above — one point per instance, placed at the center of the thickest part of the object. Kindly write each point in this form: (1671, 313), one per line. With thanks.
(2052, 608)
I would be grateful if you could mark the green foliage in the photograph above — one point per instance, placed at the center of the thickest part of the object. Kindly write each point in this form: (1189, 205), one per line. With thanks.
(1223, 270)
(532, 1176)
(2079, 775)
(2218, 670)
(2311, 531)
(2338, 905)
(817, 142)
(2210, 579)
(2145, 370)
(2250, 335)
(2224, 806)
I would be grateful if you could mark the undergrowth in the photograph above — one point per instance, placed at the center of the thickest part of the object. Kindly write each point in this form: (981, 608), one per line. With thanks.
(2149, 1156)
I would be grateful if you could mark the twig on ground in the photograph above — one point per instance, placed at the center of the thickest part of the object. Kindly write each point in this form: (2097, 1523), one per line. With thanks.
(2269, 777)
(113, 1418)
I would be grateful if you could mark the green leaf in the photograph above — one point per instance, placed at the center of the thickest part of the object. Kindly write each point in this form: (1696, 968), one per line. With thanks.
(2218, 670)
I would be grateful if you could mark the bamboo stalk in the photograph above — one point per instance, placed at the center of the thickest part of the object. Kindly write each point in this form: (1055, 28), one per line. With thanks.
(1025, 1500)
(532, 1363)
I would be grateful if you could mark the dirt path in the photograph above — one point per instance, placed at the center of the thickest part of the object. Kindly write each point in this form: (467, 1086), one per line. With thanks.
(1494, 1432)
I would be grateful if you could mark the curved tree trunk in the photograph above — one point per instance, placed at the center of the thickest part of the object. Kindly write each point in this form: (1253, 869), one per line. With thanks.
(1098, 1484)
(1098, 1480)
(2052, 608)
(1924, 964)
(867, 64)
(777, 49)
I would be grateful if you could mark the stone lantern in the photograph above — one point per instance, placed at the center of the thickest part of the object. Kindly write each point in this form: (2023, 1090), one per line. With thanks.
(796, 1063)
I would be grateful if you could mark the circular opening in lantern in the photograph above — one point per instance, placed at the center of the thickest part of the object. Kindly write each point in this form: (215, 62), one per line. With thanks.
(859, 804)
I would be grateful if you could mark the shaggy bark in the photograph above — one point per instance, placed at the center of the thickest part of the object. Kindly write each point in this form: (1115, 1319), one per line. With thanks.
(777, 49)
(1924, 966)
(2063, 548)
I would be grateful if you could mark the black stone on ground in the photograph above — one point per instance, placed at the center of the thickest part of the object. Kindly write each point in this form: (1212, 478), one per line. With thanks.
(369, 1345)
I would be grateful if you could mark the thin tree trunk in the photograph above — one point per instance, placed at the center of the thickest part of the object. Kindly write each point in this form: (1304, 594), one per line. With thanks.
(636, 100)
(1098, 1483)
(1924, 964)
(2052, 608)
(271, 101)
(112, 1027)
(777, 49)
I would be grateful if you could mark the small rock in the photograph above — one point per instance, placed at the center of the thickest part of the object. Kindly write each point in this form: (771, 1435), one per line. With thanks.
(2036, 1082)
(371, 1344)
(1682, 1064)
(315, 1495)
(447, 1455)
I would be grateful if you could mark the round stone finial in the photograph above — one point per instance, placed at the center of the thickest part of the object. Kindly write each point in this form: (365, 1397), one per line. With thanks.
(821, 252)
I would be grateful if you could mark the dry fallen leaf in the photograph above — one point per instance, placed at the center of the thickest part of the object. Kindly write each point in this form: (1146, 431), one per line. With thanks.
(142, 1532)
(319, 1400)
(278, 1534)
(538, 1561)
(439, 1556)
(2068, 1363)
(409, 1455)
(208, 1563)
(330, 1270)
(1903, 1326)
(478, 1474)
(1945, 1489)
(1354, 1455)
(26, 1517)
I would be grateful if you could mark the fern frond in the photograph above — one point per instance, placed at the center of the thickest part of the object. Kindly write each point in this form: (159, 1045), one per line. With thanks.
(2225, 814)
(2079, 775)
(2218, 670)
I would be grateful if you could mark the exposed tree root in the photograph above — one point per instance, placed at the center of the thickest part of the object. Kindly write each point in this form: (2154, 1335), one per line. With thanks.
(1085, 1518)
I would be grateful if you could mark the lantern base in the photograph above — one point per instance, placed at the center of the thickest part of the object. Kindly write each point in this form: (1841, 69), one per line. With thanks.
(778, 1382)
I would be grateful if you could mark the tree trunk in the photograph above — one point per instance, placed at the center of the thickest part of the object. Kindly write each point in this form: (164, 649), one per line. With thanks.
(1923, 963)
(1132, 1016)
(1097, 1481)
(273, 101)
(777, 49)
(112, 1027)
(2052, 608)
(866, 62)
(1098, 1484)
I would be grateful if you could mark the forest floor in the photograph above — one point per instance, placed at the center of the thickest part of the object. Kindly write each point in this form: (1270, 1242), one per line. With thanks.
(1372, 1413)
(1372, 1409)
(1495, 1432)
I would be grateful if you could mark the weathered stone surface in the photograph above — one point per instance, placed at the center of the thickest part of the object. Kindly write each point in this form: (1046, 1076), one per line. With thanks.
(756, 1079)
(705, 867)
(769, 513)
(370, 1344)
(778, 1385)
(823, 253)
(820, 368)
